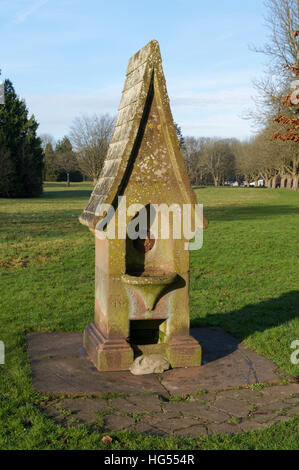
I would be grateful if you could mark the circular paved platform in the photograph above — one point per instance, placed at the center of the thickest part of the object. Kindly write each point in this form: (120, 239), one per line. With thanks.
(225, 395)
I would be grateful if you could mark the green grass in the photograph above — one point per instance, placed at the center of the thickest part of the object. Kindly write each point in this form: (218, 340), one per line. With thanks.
(245, 279)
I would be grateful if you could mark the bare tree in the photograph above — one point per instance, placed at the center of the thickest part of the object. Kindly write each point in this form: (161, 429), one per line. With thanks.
(90, 136)
(218, 160)
(274, 109)
(191, 154)
(282, 50)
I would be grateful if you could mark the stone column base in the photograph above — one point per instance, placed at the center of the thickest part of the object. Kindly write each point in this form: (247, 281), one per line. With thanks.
(107, 354)
(116, 354)
(183, 351)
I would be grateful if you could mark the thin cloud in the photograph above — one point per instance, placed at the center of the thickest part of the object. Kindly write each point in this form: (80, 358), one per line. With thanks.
(207, 114)
(213, 99)
(29, 11)
(226, 36)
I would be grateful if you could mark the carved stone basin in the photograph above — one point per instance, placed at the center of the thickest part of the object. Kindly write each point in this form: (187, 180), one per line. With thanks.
(149, 285)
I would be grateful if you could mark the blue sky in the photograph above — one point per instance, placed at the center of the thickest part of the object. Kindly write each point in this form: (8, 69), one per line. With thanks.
(69, 57)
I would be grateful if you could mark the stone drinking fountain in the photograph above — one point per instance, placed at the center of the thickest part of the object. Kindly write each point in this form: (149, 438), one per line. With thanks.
(142, 284)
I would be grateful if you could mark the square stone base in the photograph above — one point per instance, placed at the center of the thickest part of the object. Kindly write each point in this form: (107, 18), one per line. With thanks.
(117, 354)
(184, 351)
(107, 354)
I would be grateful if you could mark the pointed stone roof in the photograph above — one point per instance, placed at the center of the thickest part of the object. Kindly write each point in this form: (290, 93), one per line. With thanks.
(144, 79)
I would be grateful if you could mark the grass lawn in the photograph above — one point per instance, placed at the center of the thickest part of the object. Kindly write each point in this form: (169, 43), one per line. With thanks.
(245, 279)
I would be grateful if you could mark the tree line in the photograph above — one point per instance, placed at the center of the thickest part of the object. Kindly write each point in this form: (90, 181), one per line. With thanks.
(81, 153)
(218, 161)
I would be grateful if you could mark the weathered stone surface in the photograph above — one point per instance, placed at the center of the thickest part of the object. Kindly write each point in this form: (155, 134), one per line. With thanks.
(212, 415)
(175, 425)
(58, 366)
(46, 345)
(229, 365)
(281, 391)
(146, 404)
(147, 428)
(233, 406)
(72, 375)
(291, 400)
(193, 431)
(118, 423)
(216, 343)
(247, 394)
(197, 410)
(65, 370)
(136, 404)
(150, 364)
(265, 416)
(58, 370)
(293, 411)
(139, 80)
(181, 407)
(252, 425)
(85, 410)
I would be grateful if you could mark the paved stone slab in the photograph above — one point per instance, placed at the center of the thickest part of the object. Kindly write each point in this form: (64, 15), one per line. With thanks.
(76, 375)
(232, 406)
(196, 409)
(212, 415)
(230, 365)
(147, 428)
(246, 394)
(176, 425)
(252, 425)
(146, 403)
(215, 343)
(293, 411)
(291, 400)
(118, 423)
(194, 431)
(58, 365)
(85, 410)
(281, 391)
(45, 345)
(138, 404)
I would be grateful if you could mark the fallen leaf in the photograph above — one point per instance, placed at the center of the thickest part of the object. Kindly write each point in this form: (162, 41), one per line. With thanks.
(106, 439)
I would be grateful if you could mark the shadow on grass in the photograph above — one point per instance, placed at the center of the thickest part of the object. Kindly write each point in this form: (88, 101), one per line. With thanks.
(67, 194)
(231, 213)
(252, 318)
(48, 224)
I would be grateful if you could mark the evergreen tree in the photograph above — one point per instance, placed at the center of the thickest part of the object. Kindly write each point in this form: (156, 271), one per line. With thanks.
(51, 163)
(21, 155)
(66, 158)
(180, 136)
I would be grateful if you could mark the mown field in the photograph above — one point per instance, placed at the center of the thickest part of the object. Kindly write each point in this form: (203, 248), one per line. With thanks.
(245, 279)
